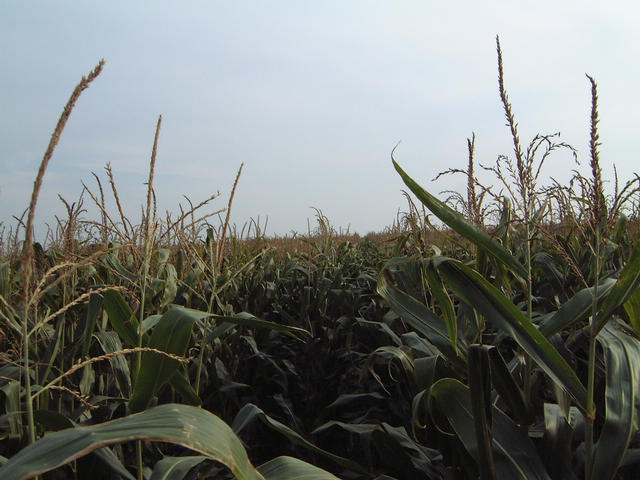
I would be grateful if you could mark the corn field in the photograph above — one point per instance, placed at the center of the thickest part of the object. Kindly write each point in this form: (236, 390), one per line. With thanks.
(503, 343)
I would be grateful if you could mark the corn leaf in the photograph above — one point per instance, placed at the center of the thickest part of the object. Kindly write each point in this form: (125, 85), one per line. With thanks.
(458, 223)
(190, 427)
(416, 314)
(515, 456)
(176, 468)
(171, 335)
(632, 307)
(480, 392)
(622, 422)
(628, 282)
(446, 305)
(249, 413)
(575, 309)
(477, 292)
(121, 317)
(288, 468)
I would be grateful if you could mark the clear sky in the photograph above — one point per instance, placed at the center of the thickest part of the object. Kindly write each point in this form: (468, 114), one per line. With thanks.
(311, 95)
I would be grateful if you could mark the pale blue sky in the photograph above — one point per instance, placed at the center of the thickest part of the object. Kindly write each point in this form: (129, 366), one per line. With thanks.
(311, 96)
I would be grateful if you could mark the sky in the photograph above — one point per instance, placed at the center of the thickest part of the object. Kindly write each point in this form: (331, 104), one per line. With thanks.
(311, 96)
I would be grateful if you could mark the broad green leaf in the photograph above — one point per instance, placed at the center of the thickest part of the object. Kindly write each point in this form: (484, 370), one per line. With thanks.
(112, 461)
(94, 309)
(110, 343)
(175, 468)
(555, 277)
(5, 279)
(507, 387)
(622, 422)
(54, 421)
(162, 255)
(288, 468)
(112, 261)
(558, 435)
(184, 425)
(506, 317)
(575, 309)
(406, 456)
(416, 314)
(247, 320)
(181, 385)
(121, 317)
(13, 407)
(170, 286)
(632, 307)
(249, 413)
(628, 282)
(480, 391)
(171, 335)
(514, 454)
(446, 305)
(458, 223)
(349, 398)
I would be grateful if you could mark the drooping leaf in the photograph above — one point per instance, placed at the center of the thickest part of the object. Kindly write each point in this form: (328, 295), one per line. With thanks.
(458, 223)
(626, 285)
(121, 317)
(288, 468)
(416, 314)
(184, 388)
(480, 392)
(622, 421)
(176, 468)
(446, 305)
(558, 436)
(514, 454)
(632, 307)
(247, 320)
(507, 388)
(184, 425)
(94, 308)
(249, 413)
(170, 335)
(110, 343)
(575, 309)
(506, 317)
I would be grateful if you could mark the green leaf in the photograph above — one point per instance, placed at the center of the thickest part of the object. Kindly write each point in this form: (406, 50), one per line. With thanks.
(514, 454)
(446, 305)
(121, 317)
(458, 223)
(190, 427)
(175, 468)
(171, 335)
(248, 320)
(632, 307)
(477, 292)
(625, 286)
(94, 309)
(112, 261)
(416, 314)
(250, 413)
(170, 286)
(622, 357)
(575, 309)
(480, 391)
(287, 468)
(507, 387)
(110, 342)
(558, 436)
(181, 385)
